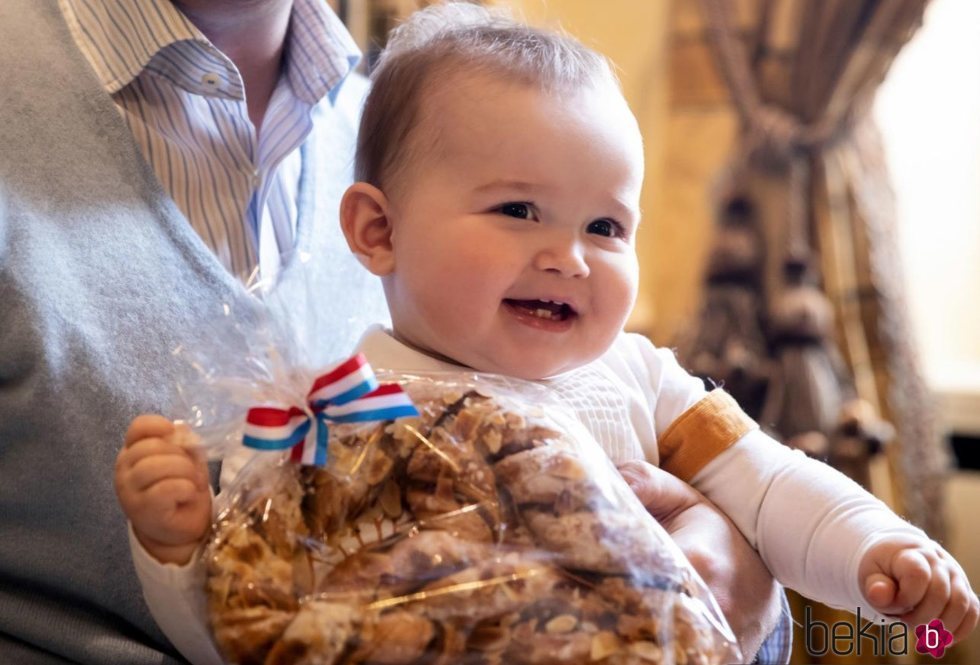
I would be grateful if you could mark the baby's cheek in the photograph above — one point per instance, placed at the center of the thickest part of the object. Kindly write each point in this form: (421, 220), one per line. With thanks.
(617, 297)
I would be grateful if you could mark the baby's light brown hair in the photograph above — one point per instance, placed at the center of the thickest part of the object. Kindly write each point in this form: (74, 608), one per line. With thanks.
(431, 48)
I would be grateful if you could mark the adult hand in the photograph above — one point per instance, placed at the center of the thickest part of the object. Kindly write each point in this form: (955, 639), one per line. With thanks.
(745, 590)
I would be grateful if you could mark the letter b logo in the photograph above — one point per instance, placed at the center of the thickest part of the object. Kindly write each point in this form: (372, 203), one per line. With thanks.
(932, 638)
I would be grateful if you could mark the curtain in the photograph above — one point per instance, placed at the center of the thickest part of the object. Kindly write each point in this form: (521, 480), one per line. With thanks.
(805, 313)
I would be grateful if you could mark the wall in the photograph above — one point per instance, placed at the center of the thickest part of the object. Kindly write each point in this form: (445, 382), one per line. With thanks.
(634, 36)
(928, 110)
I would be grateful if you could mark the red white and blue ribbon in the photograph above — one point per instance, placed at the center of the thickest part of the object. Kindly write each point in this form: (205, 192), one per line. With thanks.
(348, 393)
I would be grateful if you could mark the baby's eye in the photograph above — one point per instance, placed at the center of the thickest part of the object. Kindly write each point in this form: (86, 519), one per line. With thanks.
(606, 227)
(519, 210)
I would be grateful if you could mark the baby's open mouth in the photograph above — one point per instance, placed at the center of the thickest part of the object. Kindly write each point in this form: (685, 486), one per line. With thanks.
(549, 310)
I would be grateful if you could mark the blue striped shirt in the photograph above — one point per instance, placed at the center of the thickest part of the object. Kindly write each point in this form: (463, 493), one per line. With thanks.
(184, 102)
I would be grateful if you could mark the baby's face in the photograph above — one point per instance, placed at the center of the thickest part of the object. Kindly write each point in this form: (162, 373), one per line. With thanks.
(513, 236)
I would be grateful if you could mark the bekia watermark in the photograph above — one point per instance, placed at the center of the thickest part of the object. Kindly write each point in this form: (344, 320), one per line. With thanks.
(932, 638)
(872, 638)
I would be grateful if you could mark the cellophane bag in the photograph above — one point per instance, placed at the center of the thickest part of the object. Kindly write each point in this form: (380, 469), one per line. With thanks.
(489, 529)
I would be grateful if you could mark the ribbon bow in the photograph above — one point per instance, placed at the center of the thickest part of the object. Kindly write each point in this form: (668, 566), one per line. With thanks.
(345, 394)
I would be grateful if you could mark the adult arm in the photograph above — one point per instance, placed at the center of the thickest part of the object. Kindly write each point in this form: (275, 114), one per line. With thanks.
(746, 593)
(662, 392)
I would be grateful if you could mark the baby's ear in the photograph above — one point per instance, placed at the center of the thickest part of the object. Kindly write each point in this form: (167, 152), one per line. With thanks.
(364, 220)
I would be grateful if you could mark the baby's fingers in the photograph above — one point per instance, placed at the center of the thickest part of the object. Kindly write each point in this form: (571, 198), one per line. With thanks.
(147, 426)
(912, 572)
(923, 593)
(152, 470)
(169, 494)
(149, 461)
(969, 622)
(963, 609)
(880, 591)
(180, 512)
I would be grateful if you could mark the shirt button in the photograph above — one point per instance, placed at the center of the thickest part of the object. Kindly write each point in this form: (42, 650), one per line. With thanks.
(211, 80)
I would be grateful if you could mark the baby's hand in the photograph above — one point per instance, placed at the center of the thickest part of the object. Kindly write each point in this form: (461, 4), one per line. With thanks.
(917, 581)
(162, 484)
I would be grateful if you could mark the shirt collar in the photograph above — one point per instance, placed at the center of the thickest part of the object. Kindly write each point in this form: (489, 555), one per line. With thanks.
(123, 37)
(320, 52)
(383, 351)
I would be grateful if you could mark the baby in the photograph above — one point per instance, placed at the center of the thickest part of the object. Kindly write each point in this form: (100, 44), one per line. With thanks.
(499, 172)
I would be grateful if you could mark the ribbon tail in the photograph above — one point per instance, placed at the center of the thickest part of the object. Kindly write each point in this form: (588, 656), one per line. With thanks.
(312, 450)
(322, 437)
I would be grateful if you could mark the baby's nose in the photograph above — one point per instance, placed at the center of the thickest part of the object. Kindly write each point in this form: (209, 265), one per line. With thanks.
(564, 257)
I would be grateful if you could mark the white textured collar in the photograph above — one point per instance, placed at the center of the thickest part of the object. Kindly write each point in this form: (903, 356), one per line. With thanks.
(383, 351)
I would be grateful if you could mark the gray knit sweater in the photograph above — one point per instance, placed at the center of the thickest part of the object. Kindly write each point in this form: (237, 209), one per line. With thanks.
(101, 278)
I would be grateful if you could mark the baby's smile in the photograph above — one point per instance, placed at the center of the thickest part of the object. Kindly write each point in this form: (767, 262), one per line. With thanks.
(553, 315)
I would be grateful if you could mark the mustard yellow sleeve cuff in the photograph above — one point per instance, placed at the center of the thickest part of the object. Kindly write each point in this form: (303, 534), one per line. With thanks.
(702, 433)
